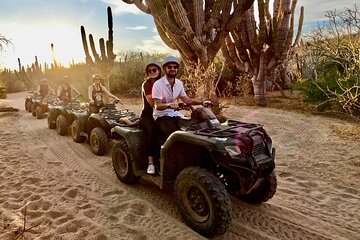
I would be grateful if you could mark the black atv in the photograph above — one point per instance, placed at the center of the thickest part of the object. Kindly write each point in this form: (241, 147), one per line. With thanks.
(97, 126)
(39, 105)
(206, 161)
(28, 101)
(62, 114)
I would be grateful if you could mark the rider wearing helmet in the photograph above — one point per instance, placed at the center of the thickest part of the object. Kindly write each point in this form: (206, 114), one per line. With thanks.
(44, 89)
(147, 123)
(96, 93)
(166, 92)
(64, 91)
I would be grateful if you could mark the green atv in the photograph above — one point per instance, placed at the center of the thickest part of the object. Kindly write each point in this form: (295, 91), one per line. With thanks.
(40, 105)
(206, 161)
(28, 101)
(97, 126)
(62, 114)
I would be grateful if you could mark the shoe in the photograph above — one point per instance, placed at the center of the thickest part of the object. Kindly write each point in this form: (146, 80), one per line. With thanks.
(151, 169)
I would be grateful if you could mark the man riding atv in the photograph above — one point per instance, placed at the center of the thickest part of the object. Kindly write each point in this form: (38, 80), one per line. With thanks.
(203, 159)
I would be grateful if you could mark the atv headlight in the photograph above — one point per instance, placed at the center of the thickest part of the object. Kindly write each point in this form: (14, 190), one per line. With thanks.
(233, 150)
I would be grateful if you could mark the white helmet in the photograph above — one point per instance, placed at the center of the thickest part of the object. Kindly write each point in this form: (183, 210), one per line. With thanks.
(170, 59)
(157, 65)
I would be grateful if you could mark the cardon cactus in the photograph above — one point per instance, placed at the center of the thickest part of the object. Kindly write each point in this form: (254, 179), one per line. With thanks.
(259, 50)
(197, 29)
(105, 60)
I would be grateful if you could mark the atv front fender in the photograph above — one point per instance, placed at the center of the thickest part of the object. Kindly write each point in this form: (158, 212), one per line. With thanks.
(82, 117)
(135, 140)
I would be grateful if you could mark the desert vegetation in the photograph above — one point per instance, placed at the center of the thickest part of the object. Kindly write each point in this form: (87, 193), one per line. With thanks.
(226, 52)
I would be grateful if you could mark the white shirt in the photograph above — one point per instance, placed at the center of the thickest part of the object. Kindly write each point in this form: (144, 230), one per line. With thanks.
(162, 90)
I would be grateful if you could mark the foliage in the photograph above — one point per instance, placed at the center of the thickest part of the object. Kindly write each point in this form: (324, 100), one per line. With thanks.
(2, 89)
(128, 75)
(333, 54)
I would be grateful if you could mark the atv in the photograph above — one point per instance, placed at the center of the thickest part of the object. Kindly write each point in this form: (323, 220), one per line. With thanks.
(205, 161)
(28, 101)
(62, 114)
(97, 126)
(39, 105)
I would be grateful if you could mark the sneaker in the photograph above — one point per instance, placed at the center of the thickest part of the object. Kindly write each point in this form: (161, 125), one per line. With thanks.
(151, 169)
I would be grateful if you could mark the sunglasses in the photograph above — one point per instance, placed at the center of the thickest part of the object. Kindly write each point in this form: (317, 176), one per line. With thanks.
(152, 70)
(172, 67)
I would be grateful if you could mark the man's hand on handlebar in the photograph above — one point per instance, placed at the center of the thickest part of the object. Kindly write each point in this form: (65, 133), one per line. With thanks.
(207, 103)
(173, 105)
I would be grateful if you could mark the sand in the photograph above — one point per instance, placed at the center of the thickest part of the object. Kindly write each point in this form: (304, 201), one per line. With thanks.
(58, 189)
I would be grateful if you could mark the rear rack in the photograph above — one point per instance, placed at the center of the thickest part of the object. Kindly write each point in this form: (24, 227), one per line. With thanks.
(234, 127)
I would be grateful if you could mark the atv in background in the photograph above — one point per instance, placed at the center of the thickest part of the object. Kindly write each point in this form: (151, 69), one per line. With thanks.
(28, 101)
(206, 161)
(61, 115)
(97, 126)
(40, 104)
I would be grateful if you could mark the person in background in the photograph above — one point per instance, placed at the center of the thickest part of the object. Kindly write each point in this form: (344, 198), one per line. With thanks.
(64, 91)
(147, 123)
(44, 89)
(96, 92)
(165, 93)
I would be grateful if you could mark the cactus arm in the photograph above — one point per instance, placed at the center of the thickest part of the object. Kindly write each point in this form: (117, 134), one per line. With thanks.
(109, 42)
(199, 18)
(88, 58)
(164, 37)
(102, 50)
(139, 4)
(93, 49)
(238, 12)
(301, 20)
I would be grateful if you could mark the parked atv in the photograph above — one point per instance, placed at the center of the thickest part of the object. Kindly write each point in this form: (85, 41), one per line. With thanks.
(61, 115)
(28, 101)
(39, 105)
(206, 161)
(97, 126)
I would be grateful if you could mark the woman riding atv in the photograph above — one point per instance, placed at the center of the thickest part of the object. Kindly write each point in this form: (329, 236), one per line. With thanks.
(64, 91)
(96, 93)
(44, 89)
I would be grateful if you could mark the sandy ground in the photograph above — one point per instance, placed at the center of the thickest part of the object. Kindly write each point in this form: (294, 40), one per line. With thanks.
(69, 193)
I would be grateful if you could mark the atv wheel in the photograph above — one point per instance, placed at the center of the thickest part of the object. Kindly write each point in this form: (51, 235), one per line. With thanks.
(33, 110)
(262, 193)
(29, 106)
(39, 112)
(98, 141)
(61, 125)
(122, 162)
(203, 201)
(75, 132)
(51, 120)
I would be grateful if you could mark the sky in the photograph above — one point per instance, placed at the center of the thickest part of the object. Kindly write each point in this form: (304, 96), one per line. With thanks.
(32, 25)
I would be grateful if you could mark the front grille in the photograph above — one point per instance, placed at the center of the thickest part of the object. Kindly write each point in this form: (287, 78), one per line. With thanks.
(258, 149)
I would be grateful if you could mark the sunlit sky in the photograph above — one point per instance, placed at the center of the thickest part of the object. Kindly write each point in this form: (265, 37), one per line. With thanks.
(32, 25)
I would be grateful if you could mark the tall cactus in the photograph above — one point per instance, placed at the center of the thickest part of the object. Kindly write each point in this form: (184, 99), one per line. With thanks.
(258, 51)
(21, 75)
(105, 60)
(197, 29)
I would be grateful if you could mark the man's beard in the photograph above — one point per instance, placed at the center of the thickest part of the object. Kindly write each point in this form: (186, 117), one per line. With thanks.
(170, 75)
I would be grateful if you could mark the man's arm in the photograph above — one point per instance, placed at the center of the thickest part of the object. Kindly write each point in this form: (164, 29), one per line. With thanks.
(159, 105)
